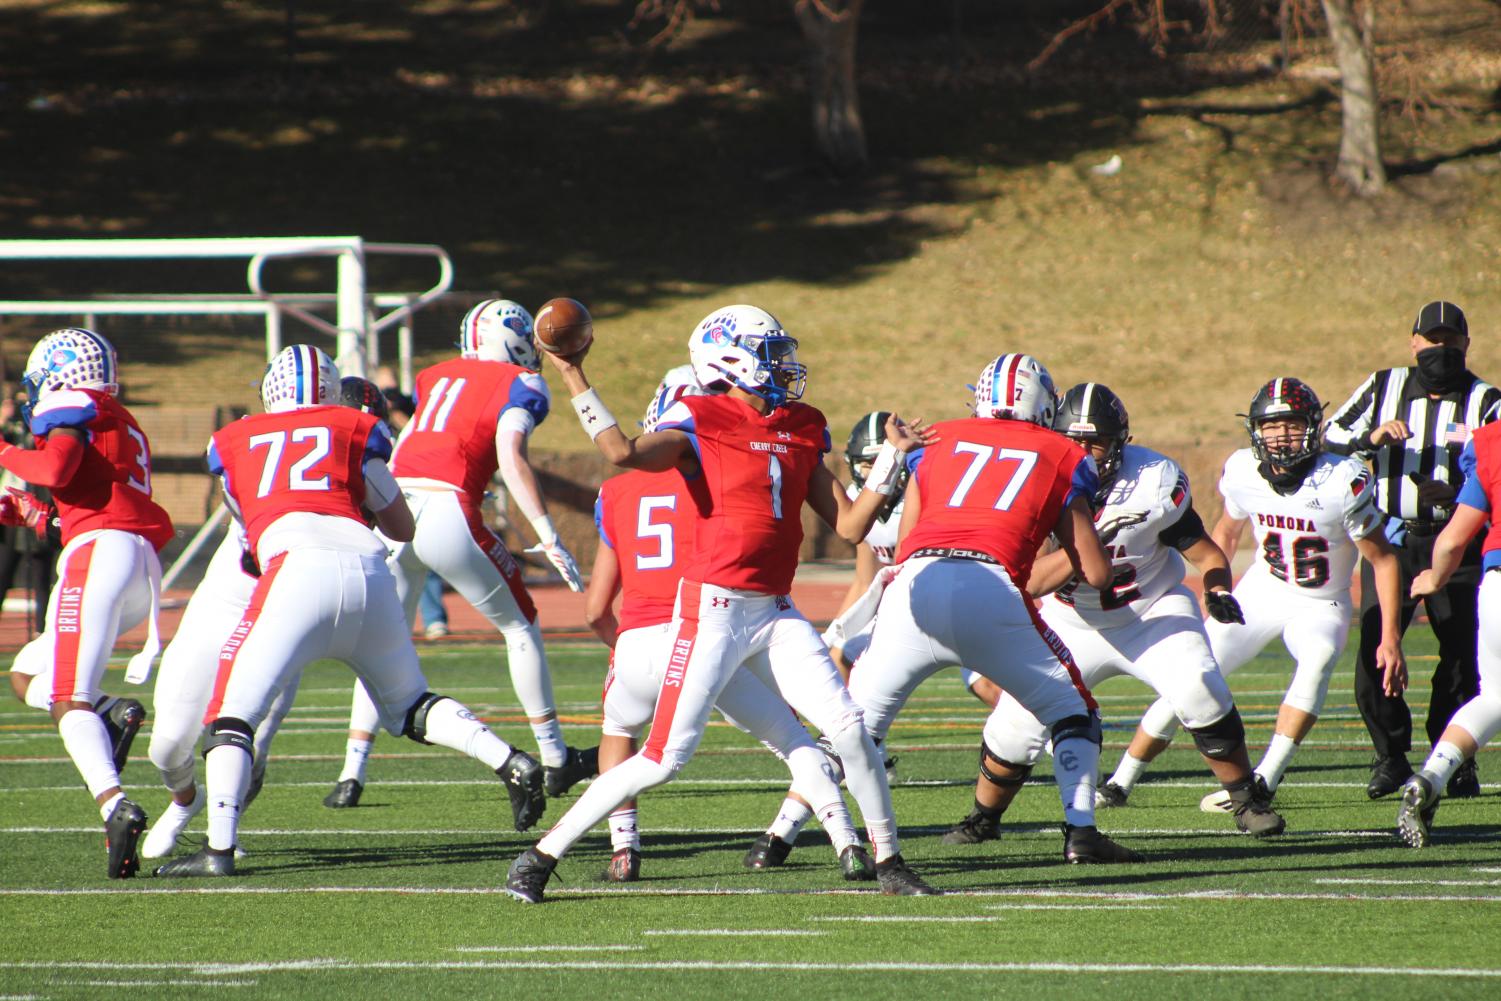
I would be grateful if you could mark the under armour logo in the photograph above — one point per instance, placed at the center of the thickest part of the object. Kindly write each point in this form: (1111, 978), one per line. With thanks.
(784, 435)
(587, 413)
(719, 602)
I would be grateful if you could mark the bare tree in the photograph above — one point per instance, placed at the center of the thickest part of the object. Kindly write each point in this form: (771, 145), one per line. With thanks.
(1352, 26)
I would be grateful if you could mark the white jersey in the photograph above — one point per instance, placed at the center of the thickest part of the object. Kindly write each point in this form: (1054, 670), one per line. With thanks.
(1149, 496)
(882, 535)
(1305, 538)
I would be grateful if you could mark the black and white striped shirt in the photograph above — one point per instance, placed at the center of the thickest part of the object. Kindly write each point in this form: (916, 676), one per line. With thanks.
(1440, 428)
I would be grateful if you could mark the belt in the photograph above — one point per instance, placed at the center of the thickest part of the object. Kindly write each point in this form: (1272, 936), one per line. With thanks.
(958, 554)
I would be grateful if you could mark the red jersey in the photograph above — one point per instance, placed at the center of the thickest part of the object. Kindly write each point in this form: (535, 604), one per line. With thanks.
(995, 486)
(451, 437)
(1481, 463)
(308, 460)
(649, 520)
(112, 486)
(749, 498)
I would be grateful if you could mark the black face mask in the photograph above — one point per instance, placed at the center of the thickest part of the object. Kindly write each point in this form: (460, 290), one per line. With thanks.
(1441, 370)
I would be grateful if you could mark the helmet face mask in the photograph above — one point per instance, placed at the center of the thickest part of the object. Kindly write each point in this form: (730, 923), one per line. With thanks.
(744, 347)
(300, 376)
(70, 358)
(1092, 414)
(499, 330)
(1016, 387)
(1288, 402)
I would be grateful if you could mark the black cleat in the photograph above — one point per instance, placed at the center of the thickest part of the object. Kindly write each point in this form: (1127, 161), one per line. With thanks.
(579, 765)
(768, 852)
(527, 878)
(1251, 805)
(523, 778)
(1109, 796)
(122, 834)
(1415, 815)
(975, 828)
(123, 721)
(1465, 782)
(899, 881)
(344, 795)
(855, 864)
(1087, 846)
(204, 862)
(1387, 775)
(625, 866)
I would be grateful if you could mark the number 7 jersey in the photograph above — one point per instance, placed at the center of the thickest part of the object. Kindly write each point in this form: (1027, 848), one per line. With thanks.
(1307, 537)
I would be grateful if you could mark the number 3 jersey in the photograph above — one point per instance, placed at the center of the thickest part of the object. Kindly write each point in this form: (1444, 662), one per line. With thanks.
(1305, 537)
(1143, 507)
(647, 519)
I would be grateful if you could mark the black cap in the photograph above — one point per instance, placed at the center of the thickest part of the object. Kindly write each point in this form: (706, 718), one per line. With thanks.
(1441, 315)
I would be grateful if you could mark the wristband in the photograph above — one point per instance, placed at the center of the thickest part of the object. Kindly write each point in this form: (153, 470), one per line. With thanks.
(885, 470)
(593, 414)
(542, 525)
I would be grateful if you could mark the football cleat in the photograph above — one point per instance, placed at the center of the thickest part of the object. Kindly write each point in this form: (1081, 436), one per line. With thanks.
(122, 835)
(625, 866)
(1252, 808)
(204, 862)
(123, 721)
(257, 780)
(1109, 796)
(973, 829)
(768, 852)
(344, 795)
(899, 881)
(523, 778)
(855, 864)
(1387, 775)
(527, 878)
(579, 765)
(1087, 846)
(1415, 815)
(1465, 782)
(162, 837)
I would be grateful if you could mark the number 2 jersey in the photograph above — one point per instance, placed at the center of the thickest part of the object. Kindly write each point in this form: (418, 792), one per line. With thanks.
(749, 497)
(1147, 501)
(112, 485)
(310, 462)
(1305, 537)
(647, 519)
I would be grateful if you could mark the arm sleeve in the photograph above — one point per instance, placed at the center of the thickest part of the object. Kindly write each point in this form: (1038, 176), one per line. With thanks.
(381, 490)
(51, 465)
(1472, 494)
(515, 420)
(1185, 531)
(1349, 429)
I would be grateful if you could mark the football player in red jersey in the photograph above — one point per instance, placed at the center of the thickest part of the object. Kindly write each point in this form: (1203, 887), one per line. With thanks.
(93, 457)
(751, 456)
(646, 526)
(300, 477)
(474, 415)
(976, 510)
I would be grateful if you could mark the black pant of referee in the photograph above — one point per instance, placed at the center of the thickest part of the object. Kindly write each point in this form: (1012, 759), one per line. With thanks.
(1456, 679)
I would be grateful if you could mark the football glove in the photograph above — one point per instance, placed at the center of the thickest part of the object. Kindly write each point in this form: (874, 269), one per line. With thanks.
(558, 555)
(17, 507)
(1223, 607)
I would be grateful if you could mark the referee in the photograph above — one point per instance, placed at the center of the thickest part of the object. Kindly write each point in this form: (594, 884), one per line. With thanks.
(1412, 423)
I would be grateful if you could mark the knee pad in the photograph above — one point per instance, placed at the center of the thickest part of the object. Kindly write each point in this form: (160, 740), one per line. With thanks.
(1223, 737)
(1083, 727)
(416, 724)
(228, 731)
(986, 757)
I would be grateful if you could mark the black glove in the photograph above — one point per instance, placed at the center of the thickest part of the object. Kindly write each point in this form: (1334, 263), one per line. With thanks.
(1223, 606)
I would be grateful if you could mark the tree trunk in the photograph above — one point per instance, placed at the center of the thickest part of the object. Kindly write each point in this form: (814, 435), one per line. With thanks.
(1351, 29)
(830, 28)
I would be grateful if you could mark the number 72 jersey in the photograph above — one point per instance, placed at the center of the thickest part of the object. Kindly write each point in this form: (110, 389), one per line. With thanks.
(1307, 537)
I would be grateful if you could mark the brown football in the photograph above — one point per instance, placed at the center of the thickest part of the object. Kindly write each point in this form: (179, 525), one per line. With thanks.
(564, 326)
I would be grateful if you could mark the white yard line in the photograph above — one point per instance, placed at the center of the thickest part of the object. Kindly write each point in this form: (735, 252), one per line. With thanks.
(735, 932)
(548, 949)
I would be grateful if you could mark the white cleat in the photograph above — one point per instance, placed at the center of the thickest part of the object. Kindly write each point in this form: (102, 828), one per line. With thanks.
(1217, 802)
(162, 838)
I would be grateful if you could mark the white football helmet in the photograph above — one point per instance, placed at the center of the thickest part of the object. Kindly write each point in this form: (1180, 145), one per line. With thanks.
(499, 330)
(1016, 387)
(676, 384)
(745, 347)
(301, 376)
(70, 358)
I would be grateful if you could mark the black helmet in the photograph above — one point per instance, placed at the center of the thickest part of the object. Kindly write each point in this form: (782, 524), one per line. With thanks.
(362, 394)
(1282, 399)
(865, 440)
(1092, 410)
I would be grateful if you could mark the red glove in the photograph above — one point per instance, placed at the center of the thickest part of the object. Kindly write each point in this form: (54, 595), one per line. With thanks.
(18, 507)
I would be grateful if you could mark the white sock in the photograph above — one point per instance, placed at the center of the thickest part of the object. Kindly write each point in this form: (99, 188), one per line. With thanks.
(836, 822)
(1441, 765)
(1279, 754)
(1128, 771)
(623, 831)
(109, 805)
(1074, 763)
(356, 757)
(882, 835)
(550, 743)
(87, 743)
(226, 771)
(790, 820)
(450, 724)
